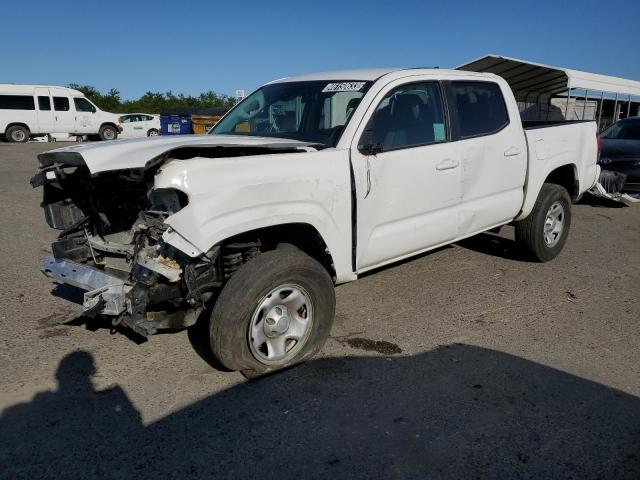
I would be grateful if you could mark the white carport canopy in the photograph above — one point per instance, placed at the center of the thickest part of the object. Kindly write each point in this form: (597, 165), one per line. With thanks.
(532, 81)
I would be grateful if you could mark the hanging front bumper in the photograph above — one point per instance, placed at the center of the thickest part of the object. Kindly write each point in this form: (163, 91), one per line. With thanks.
(105, 294)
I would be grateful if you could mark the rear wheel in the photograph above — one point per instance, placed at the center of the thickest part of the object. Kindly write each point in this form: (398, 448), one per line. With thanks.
(108, 132)
(544, 232)
(275, 311)
(153, 132)
(17, 134)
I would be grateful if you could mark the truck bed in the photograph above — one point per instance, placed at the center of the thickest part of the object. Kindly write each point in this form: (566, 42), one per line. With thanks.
(531, 124)
(553, 144)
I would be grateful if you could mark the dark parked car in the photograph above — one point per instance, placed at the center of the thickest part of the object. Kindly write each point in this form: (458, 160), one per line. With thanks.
(620, 157)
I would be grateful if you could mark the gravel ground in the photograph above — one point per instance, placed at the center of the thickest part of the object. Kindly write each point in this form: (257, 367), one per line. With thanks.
(466, 362)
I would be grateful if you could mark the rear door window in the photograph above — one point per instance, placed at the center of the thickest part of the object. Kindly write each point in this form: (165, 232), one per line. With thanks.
(61, 104)
(17, 102)
(480, 107)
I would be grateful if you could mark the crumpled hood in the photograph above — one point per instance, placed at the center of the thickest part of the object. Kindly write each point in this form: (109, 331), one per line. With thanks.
(140, 152)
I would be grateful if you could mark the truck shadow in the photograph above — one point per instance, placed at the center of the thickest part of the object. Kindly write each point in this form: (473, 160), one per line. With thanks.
(458, 411)
(600, 202)
(492, 244)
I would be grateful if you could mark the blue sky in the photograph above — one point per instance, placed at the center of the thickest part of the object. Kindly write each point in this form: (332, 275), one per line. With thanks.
(192, 46)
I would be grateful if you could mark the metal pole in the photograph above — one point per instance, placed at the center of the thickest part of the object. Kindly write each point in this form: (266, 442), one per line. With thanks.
(526, 103)
(629, 107)
(601, 106)
(614, 118)
(584, 107)
(566, 108)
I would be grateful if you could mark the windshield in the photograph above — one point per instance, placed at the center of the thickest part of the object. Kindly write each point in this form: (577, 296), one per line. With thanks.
(623, 130)
(315, 112)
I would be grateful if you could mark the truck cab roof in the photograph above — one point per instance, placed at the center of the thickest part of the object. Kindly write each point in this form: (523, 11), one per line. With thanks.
(373, 74)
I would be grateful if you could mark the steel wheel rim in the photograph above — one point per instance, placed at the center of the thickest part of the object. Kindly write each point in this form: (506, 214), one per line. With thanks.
(153, 133)
(108, 134)
(553, 224)
(18, 136)
(281, 324)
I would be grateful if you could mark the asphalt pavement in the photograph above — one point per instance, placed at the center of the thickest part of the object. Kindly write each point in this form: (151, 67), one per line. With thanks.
(466, 362)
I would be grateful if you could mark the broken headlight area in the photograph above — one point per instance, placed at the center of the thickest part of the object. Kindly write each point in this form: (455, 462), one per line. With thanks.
(111, 246)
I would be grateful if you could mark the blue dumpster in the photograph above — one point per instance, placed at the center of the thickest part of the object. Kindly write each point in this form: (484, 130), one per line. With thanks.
(178, 123)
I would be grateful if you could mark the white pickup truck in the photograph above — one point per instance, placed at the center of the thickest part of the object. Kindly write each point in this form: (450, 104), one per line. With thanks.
(308, 182)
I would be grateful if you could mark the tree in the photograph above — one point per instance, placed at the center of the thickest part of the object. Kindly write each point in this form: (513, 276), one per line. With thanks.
(153, 102)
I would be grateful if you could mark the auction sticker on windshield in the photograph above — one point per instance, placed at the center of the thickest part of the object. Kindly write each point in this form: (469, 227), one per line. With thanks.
(343, 87)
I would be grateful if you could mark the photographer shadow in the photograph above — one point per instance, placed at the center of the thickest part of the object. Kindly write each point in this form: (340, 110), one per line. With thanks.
(458, 411)
(72, 427)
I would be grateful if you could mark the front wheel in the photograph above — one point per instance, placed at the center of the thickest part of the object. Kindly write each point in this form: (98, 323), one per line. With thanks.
(107, 132)
(544, 232)
(274, 312)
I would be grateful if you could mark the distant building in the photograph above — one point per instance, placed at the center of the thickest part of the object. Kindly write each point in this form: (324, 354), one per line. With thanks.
(544, 92)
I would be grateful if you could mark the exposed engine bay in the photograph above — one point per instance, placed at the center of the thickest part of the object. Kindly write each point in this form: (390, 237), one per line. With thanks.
(111, 242)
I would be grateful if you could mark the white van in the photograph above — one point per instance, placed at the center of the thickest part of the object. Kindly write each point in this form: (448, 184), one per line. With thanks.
(31, 110)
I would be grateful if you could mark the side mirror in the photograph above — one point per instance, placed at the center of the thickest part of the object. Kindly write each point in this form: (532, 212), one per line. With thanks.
(366, 145)
(93, 109)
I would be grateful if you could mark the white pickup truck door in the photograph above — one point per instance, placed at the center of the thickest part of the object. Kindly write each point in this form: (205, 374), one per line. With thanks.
(489, 141)
(407, 194)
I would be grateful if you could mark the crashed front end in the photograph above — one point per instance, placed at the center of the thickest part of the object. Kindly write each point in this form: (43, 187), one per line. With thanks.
(111, 245)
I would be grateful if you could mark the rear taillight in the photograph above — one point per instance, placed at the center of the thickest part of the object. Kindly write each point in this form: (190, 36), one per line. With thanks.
(599, 143)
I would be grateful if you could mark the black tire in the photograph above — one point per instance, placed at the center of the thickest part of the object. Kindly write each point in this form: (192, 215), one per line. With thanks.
(248, 287)
(108, 132)
(530, 232)
(153, 132)
(17, 134)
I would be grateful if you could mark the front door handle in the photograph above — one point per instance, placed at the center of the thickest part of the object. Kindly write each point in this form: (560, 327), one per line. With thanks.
(512, 152)
(447, 164)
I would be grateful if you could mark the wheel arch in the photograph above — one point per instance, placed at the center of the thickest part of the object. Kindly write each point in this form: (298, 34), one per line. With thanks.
(17, 124)
(566, 176)
(303, 236)
(318, 237)
(108, 124)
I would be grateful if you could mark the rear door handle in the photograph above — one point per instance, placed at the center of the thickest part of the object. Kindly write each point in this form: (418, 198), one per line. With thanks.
(512, 152)
(447, 164)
